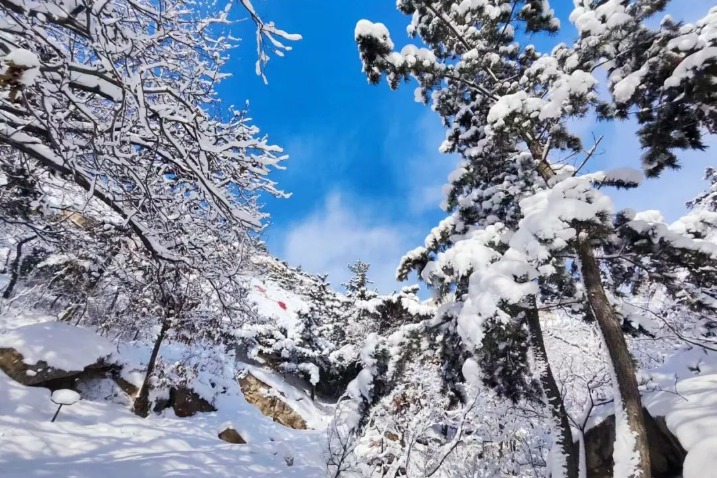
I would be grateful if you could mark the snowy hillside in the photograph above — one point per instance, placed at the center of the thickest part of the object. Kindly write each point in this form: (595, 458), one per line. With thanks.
(688, 401)
(100, 436)
(559, 319)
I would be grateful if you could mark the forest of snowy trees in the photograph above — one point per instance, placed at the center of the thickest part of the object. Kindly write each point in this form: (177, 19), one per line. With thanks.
(536, 311)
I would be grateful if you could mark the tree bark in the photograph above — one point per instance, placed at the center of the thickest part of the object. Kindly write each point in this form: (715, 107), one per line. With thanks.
(620, 356)
(16, 264)
(612, 335)
(141, 403)
(553, 396)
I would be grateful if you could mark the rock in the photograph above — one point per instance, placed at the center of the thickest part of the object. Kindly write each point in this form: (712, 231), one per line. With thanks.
(52, 354)
(230, 435)
(40, 374)
(666, 453)
(264, 398)
(186, 402)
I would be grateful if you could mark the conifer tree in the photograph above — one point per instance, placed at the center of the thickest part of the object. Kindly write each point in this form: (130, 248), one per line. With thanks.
(505, 107)
(358, 286)
(487, 188)
(358, 320)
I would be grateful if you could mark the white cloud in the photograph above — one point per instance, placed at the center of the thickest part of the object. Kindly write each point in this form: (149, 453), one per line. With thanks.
(341, 231)
(351, 225)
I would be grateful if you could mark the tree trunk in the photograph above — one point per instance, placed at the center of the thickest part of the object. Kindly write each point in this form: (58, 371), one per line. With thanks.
(141, 403)
(612, 335)
(15, 268)
(555, 400)
(620, 355)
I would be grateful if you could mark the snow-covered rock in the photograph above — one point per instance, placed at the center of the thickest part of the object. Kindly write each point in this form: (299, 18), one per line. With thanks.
(58, 344)
(37, 353)
(686, 396)
(270, 402)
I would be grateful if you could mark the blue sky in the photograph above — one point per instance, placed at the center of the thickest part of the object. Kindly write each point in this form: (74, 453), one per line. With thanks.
(364, 169)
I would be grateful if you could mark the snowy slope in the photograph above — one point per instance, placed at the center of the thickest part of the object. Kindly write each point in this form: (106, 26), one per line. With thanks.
(687, 398)
(100, 437)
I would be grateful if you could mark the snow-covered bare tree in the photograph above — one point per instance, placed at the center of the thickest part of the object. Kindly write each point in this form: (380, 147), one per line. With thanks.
(116, 102)
(115, 97)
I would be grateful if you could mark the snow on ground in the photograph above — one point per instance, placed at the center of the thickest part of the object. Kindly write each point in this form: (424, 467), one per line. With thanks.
(59, 344)
(275, 303)
(687, 399)
(100, 437)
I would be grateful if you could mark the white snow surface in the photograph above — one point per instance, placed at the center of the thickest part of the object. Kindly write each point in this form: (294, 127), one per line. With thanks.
(688, 401)
(62, 346)
(102, 439)
(23, 58)
(698, 42)
(365, 28)
(65, 397)
(99, 436)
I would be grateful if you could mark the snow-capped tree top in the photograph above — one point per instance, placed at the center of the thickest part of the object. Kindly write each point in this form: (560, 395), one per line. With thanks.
(666, 83)
(358, 287)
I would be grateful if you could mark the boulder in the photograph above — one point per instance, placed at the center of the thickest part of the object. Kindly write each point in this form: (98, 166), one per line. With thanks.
(230, 435)
(266, 399)
(52, 354)
(40, 374)
(186, 402)
(666, 453)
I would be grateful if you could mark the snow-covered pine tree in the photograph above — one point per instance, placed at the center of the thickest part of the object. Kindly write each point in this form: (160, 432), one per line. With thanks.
(666, 84)
(358, 321)
(676, 264)
(705, 205)
(358, 286)
(662, 77)
(497, 96)
(316, 344)
(400, 419)
(322, 339)
(487, 187)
